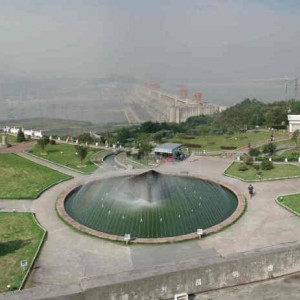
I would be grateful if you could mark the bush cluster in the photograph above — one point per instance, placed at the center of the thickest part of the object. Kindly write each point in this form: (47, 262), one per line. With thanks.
(266, 165)
(192, 145)
(248, 160)
(228, 147)
(269, 148)
(254, 152)
(248, 163)
(281, 158)
(243, 167)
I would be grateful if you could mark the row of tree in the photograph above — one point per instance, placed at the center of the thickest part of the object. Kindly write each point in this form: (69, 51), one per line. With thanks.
(243, 116)
(252, 113)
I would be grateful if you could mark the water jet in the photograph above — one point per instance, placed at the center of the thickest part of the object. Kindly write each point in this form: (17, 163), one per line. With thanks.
(150, 206)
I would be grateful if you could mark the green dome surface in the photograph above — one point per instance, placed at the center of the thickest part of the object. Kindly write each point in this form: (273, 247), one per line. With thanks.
(150, 205)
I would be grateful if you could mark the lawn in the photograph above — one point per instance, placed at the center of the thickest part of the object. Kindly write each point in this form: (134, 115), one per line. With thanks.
(99, 156)
(291, 151)
(20, 237)
(10, 138)
(23, 179)
(279, 171)
(215, 142)
(65, 155)
(291, 201)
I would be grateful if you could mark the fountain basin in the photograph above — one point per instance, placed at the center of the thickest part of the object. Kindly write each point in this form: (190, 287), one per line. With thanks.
(152, 207)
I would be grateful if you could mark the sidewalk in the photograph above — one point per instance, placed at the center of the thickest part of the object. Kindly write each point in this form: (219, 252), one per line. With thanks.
(68, 256)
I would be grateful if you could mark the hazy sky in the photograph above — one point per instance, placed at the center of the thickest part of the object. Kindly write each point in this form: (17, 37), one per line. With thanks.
(180, 41)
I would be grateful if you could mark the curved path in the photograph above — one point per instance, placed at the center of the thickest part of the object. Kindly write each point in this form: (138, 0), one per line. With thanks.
(68, 256)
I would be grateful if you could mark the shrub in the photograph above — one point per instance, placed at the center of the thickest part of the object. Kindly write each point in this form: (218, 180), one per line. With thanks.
(20, 136)
(256, 167)
(290, 157)
(82, 152)
(260, 158)
(43, 142)
(243, 167)
(266, 165)
(248, 161)
(192, 145)
(278, 158)
(269, 148)
(254, 152)
(228, 147)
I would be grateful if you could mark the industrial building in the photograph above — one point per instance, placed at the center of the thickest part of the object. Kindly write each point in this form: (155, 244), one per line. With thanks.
(169, 151)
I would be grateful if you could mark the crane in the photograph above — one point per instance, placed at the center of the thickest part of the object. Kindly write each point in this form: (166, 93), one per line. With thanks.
(184, 92)
(198, 97)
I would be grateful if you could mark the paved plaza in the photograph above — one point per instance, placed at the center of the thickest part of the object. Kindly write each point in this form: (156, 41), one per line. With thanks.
(68, 256)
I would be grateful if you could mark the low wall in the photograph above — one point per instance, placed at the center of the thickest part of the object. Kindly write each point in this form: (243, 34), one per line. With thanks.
(241, 206)
(162, 282)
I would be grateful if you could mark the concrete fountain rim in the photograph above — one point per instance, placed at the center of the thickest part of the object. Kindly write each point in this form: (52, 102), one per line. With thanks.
(60, 209)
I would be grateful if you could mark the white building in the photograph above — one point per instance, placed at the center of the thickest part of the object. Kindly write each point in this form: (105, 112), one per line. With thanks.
(27, 132)
(12, 130)
(33, 133)
(294, 122)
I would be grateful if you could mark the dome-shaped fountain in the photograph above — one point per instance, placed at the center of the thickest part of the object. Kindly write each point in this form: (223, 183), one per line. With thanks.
(149, 206)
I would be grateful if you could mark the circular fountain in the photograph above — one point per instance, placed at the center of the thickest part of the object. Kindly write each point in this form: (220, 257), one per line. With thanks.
(150, 206)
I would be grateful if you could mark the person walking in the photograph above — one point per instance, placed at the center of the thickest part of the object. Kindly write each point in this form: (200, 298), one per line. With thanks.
(250, 189)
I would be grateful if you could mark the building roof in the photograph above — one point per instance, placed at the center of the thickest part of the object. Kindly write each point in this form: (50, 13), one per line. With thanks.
(167, 148)
(294, 117)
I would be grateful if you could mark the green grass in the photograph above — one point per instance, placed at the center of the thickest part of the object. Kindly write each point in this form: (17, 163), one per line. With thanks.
(291, 151)
(23, 179)
(99, 156)
(20, 237)
(279, 171)
(64, 154)
(291, 201)
(10, 138)
(289, 142)
(214, 142)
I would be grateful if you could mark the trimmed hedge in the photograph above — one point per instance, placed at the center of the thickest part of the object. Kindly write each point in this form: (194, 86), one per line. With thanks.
(193, 145)
(228, 147)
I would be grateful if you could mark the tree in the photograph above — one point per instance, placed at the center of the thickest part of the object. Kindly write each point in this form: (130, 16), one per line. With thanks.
(150, 127)
(254, 152)
(269, 148)
(266, 165)
(146, 148)
(82, 152)
(123, 134)
(43, 142)
(295, 137)
(20, 136)
(85, 138)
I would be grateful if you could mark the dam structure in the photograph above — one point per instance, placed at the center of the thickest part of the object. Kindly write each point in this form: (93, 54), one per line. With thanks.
(166, 107)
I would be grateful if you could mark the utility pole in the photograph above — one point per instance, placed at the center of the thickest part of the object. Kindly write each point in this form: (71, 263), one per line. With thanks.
(286, 89)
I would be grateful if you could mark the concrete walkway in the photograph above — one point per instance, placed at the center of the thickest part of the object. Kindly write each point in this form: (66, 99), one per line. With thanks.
(68, 256)
(265, 222)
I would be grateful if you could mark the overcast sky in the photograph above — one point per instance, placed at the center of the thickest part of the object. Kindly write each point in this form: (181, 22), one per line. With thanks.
(179, 41)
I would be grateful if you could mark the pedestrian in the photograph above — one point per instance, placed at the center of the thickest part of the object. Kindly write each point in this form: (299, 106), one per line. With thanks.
(250, 189)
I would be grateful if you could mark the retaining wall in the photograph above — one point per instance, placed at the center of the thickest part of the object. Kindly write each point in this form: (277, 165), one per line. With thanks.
(162, 282)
